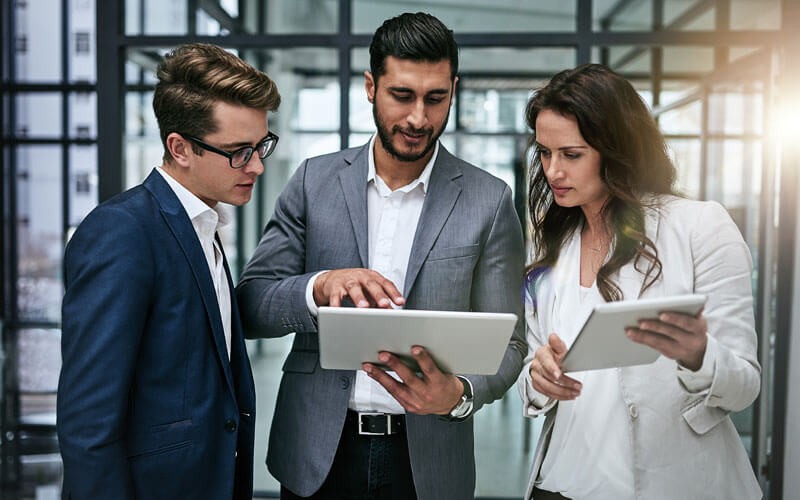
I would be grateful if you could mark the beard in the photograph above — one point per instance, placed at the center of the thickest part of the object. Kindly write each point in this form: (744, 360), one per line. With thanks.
(386, 135)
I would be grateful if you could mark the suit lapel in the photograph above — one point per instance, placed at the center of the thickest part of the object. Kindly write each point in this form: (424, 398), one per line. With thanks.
(186, 237)
(353, 179)
(440, 198)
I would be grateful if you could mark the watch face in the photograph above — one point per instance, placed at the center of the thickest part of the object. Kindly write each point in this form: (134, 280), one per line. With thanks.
(462, 408)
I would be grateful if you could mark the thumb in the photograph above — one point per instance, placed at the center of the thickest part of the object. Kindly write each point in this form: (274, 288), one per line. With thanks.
(557, 345)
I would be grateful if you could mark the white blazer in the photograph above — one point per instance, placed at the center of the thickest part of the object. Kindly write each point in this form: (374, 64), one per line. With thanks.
(684, 443)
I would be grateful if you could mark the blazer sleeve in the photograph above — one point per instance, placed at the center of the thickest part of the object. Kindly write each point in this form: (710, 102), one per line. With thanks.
(271, 292)
(722, 271)
(108, 278)
(534, 403)
(497, 285)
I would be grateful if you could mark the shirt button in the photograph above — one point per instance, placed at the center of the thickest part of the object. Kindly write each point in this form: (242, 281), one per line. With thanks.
(230, 425)
(633, 411)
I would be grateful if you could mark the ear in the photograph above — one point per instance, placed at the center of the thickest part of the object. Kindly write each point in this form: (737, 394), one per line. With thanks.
(453, 92)
(369, 85)
(180, 149)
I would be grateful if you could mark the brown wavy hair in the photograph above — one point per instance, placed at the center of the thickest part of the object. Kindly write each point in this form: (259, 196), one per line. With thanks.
(614, 120)
(193, 77)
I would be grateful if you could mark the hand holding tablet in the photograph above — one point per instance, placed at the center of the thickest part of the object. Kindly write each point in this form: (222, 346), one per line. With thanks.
(602, 342)
(459, 342)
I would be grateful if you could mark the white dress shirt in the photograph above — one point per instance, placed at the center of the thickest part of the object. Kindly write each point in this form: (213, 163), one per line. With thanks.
(206, 222)
(392, 224)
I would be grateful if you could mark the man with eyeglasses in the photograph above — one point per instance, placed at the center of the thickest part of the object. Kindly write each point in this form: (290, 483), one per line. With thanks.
(156, 397)
(396, 222)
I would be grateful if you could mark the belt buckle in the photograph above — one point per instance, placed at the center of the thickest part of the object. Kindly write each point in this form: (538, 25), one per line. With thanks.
(363, 432)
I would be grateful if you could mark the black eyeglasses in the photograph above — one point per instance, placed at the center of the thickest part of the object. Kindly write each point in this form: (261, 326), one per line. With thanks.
(240, 157)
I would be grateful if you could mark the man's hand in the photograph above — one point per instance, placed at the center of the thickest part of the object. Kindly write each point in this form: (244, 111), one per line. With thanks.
(365, 287)
(429, 392)
(546, 375)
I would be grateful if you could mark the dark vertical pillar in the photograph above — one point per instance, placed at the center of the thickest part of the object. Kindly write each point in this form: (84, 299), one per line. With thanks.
(110, 99)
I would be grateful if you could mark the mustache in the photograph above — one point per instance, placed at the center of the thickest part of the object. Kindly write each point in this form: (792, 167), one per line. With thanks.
(413, 131)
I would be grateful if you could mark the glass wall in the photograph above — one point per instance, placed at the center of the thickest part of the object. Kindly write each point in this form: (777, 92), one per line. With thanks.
(687, 58)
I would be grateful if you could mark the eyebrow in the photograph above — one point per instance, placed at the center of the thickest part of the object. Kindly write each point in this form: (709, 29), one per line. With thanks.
(406, 89)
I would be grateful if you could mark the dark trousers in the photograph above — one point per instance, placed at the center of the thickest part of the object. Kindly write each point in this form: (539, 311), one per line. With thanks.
(366, 468)
(547, 495)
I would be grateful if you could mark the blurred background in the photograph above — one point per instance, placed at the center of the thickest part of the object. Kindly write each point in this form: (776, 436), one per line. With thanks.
(721, 76)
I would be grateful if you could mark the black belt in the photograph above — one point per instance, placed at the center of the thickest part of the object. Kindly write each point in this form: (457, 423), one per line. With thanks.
(376, 424)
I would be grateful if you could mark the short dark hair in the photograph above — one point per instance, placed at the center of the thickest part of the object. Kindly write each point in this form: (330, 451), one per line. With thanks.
(193, 77)
(417, 37)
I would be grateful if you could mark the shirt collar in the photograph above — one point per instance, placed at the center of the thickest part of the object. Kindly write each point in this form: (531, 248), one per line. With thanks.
(422, 180)
(202, 216)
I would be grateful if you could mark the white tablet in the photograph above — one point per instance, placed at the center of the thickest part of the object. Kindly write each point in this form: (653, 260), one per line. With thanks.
(602, 342)
(459, 342)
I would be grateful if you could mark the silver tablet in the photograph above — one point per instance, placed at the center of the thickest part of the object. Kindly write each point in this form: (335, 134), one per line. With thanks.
(459, 342)
(602, 342)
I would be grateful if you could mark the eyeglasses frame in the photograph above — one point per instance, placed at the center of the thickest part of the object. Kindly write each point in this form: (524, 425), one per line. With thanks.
(229, 155)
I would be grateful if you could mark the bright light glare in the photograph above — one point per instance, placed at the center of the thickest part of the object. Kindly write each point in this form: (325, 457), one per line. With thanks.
(786, 126)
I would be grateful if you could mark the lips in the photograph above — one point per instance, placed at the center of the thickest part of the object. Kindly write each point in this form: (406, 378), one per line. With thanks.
(414, 135)
(559, 191)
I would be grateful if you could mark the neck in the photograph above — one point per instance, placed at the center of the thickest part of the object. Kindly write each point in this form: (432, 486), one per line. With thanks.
(397, 173)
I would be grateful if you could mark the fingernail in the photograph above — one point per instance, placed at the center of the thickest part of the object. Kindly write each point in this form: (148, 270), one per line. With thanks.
(368, 369)
(383, 302)
(416, 351)
(383, 357)
(363, 303)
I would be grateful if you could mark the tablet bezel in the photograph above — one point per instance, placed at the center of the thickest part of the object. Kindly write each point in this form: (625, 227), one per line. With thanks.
(459, 342)
(602, 343)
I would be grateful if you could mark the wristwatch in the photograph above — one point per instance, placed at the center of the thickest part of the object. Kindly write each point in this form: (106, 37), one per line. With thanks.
(464, 407)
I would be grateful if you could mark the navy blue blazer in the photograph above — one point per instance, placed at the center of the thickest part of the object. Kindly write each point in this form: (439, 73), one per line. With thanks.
(149, 406)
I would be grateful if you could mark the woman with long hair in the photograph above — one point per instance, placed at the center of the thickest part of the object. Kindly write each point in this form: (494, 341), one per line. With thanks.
(606, 226)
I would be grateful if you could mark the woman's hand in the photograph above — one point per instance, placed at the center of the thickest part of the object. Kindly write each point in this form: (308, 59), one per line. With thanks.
(546, 372)
(677, 336)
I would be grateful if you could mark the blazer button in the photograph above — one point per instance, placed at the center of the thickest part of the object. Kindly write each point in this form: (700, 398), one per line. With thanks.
(633, 411)
(344, 382)
(230, 425)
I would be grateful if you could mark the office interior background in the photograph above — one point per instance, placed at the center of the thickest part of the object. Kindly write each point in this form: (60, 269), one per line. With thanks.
(721, 76)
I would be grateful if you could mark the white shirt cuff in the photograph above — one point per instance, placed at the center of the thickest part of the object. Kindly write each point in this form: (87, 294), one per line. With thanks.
(313, 308)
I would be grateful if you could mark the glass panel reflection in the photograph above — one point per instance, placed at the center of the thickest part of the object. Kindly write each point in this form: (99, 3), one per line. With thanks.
(613, 15)
(761, 15)
(685, 154)
(224, 17)
(82, 182)
(499, 61)
(82, 115)
(464, 17)
(37, 41)
(38, 115)
(82, 36)
(39, 233)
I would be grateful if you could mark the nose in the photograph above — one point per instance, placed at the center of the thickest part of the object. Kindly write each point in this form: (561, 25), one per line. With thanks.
(417, 117)
(552, 168)
(255, 165)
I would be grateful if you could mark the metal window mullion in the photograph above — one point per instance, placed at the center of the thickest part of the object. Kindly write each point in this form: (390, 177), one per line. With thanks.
(345, 46)
(65, 114)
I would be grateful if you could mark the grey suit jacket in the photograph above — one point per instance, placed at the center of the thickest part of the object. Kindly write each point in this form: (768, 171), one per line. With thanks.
(467, 255)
